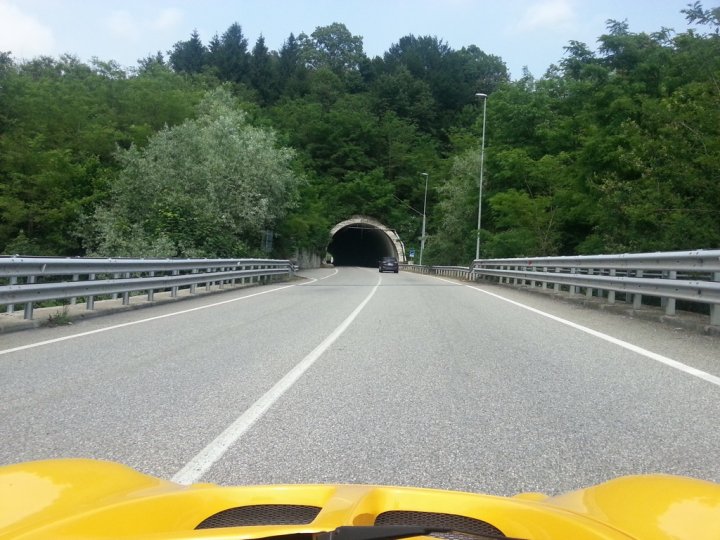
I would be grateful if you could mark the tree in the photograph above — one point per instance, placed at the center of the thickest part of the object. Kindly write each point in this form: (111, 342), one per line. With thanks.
(406, 96)
(151, 63)
(230, 55)
(56, 132)
(189, 56)
(333, 47)
(452, 77)
(262, 72)
(292, 71)
(205, 188)
(454, 242)
(525, 226)
(695, 13)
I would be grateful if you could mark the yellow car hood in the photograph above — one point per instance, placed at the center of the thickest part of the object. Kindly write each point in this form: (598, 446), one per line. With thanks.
(77, 499)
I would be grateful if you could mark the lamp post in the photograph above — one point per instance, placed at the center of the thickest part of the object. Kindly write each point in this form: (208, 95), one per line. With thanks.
(482, 162)
(422, 237)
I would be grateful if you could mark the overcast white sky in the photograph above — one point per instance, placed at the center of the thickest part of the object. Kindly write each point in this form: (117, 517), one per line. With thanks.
(528, 33)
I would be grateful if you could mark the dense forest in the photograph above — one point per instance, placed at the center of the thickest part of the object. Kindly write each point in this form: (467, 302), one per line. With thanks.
(210, 149)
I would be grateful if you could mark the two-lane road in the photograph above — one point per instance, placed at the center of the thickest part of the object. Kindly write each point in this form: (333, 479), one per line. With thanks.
(356, 376)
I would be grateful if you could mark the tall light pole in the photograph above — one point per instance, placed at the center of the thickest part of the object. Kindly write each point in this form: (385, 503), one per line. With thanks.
(422, 237)
(482, 163)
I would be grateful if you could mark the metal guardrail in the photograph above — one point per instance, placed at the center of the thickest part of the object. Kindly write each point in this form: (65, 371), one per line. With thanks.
(692, 276)
(690, 261)
(459, 272)
(29, 280)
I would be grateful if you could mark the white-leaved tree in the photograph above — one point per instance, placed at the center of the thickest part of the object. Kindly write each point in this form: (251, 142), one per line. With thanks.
(205, 188)
(454, 242)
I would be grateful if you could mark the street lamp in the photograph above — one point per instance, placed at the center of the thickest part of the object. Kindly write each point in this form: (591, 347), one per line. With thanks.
(482, 162)
(422, 237)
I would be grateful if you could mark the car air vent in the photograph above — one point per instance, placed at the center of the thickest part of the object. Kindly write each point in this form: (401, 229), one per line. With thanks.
(473, 528)
(261, 514)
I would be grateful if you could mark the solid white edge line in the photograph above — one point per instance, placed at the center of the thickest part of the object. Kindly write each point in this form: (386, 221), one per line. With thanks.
(131, 323)
(210, 455)
(713, 379)
(446, 280)
(436, 277)
(313, 280)
(331, 275)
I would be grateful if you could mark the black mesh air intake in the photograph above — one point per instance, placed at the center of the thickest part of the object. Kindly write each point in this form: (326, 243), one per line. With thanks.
(458, 524)
(261, 514)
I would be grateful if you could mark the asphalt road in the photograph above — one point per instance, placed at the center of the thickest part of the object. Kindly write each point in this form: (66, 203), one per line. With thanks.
(355, 376)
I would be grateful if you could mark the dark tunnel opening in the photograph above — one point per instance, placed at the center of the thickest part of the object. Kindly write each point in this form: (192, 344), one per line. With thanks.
(360, 245)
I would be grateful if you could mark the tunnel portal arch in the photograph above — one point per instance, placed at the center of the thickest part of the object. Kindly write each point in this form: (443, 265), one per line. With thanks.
(362, 241)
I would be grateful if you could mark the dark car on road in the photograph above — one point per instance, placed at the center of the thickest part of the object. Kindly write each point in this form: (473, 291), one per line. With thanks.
(389, 264)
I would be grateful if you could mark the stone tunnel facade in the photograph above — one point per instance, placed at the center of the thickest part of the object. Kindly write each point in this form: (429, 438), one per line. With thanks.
(362, 241)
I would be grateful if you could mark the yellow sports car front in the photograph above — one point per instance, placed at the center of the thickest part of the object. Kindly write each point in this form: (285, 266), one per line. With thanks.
(78, 499)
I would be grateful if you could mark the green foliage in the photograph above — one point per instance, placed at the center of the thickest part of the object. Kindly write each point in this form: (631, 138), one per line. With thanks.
(451, 77)
(610, 151)
(61, 123)
(59, 318)
(332, 47)
(454, 242)
(189, 56)
(525, 225)
(205, 188)
(229, 56)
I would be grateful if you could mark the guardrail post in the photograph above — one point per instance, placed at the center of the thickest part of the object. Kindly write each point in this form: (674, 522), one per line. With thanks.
(115, 295)
(29, 306)
(545, 283)
(126, 294)
(556, 287)
(611, 294)
(670, 302)
(193, 287)
(533, 282)
(90, 302)
(715, 308)
(174, 290)
(573, 288)
(11, 307)
(73, 300)
(637, 298)
(588, 290)
(151, 292)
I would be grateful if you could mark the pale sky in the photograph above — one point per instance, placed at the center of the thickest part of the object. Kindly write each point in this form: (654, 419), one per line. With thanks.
(528, 33)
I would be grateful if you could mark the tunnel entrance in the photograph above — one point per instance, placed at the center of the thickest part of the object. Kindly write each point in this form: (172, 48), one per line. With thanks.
(362, 241)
